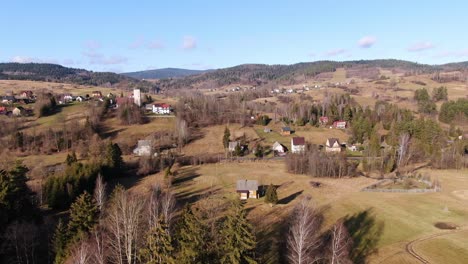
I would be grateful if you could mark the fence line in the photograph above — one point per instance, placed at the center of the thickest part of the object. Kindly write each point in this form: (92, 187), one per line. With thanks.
(373, 188)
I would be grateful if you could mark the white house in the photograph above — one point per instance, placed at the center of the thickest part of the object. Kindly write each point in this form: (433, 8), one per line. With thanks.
(79, 99)
(144, 148)
(161, 109)
(340, 124)
(279, 148)
(232, 145)
(333, 145)
(297, 144)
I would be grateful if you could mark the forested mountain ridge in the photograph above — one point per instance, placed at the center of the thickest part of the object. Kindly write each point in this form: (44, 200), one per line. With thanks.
(58, 73)
(257, 74)
(163, 73)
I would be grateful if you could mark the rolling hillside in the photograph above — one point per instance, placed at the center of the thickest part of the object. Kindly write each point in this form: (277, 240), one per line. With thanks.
(58, 73)
(163, 73)
(257, 74)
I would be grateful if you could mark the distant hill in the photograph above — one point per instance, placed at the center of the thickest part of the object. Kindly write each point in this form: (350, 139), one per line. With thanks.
(164, 73)
(258, 74)
(58, 73)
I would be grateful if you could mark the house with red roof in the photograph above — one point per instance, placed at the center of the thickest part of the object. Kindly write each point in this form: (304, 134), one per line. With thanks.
(162, 109)
(297, 144)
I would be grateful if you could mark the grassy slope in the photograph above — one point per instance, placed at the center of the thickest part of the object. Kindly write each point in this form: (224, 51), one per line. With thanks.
(404, 216)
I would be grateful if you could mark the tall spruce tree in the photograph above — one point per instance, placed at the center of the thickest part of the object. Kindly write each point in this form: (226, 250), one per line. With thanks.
(238, 244)
(191, 238)
(271, 196)
(158, 248)
(59, 242)
(83, 215)
(114, 156)
(226, 137)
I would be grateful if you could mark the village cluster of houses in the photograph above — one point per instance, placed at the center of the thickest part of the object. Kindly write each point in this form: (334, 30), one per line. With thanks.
(10, 104)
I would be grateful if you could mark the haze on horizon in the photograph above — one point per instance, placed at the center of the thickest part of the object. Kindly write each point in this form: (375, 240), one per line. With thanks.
(121, 36)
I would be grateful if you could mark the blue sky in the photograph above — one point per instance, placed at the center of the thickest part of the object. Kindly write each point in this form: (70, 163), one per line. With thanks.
(138, 35)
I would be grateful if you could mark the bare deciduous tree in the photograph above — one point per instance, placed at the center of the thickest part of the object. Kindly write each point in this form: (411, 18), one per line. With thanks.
(404, 140)
(99, 240)
(100, 192)
(80, 253)
(340, 244)
(161, 206)
(22, 239)
(304, 238)
(124, 224)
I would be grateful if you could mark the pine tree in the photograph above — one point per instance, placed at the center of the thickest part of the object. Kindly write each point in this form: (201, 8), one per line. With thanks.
(15, 202)
(83, 215)
(226, 137)
(237, 151)
(114, 156)
(238, 241)
(271, 196)
(259, 151)
(191, 238)
(71, 158)
(59, 242)
(158, 248)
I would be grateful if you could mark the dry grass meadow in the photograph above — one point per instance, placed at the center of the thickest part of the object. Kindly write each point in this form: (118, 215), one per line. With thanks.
(403, 217)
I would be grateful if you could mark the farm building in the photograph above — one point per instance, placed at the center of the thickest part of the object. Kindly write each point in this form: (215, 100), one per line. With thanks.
(297, 144)
(340, 124)
(96, 94)
(232, 145)
(333, 145)
(162, 109)
(285, 131)
(247, 189)
(267, 130)
(144, 148)
(323, 120)
(279, 148)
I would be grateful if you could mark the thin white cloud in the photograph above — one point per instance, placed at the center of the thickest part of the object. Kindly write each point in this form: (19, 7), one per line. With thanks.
(420, 46)
(311, 54)
(367, 42)
(138, 43)
(155, 44)
(335, 52)
(112, 60)
(26, 59)
(189, 43)
(92, 45)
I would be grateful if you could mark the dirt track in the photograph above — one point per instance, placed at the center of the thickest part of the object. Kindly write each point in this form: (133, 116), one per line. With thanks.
(410, 250)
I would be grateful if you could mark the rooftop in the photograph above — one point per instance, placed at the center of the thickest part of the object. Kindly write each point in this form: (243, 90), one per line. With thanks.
(247, 185)
(298, 141)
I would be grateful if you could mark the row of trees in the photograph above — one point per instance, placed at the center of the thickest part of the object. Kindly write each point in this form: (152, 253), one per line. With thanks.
(320, 164)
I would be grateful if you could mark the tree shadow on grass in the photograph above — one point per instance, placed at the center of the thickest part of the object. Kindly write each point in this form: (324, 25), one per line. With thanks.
(365, 232)
(290, 198)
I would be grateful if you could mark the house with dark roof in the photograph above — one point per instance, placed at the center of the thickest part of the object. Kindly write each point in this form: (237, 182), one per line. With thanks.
(333, 145)
(247, 189)
(286, 131)
(297, 144)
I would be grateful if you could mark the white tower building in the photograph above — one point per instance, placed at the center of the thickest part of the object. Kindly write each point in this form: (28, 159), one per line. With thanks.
(137, 97)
